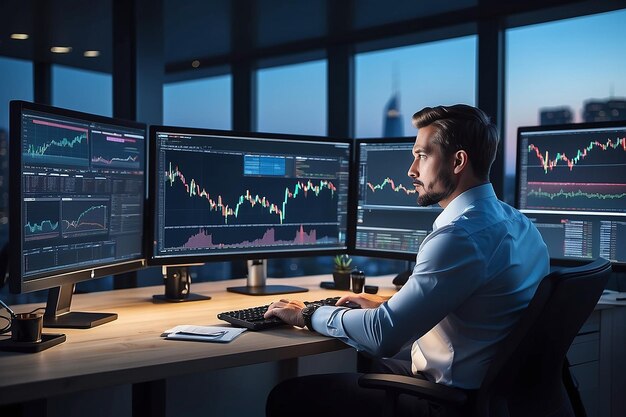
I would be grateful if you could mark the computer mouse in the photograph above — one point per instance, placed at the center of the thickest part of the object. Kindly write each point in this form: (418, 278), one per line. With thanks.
(350, 304)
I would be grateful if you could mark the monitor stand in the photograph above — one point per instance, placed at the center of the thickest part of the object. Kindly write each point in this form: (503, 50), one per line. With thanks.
(58, 312)
(178, 286)
(257, 275)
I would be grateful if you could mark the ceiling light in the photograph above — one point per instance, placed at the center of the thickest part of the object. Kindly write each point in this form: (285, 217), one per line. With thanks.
(19, 36)
(61, 49)
(195, 64)
(91, 54)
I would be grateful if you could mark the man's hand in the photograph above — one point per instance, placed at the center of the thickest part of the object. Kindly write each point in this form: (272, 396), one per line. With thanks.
(364, 300)
(289, 311)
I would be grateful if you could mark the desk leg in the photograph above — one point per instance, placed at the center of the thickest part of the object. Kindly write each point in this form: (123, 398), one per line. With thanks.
(288, 368)
(149, 399)
(35, 408)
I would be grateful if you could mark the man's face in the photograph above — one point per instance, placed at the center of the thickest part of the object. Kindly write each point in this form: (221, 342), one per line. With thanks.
(432, 173)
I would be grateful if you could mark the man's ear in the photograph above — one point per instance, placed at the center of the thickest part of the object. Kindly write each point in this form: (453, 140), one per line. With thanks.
(460, 161)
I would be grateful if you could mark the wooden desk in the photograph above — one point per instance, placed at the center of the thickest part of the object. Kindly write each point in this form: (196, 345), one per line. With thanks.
(130, 350)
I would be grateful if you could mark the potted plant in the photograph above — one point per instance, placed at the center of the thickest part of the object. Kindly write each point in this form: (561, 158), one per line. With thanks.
(341, 274)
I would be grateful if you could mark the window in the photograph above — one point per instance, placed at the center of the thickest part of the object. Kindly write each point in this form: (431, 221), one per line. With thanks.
(16, 83)
(292, 99)
(81, 90)
(204, 103)
(546, 73)
(429, 74)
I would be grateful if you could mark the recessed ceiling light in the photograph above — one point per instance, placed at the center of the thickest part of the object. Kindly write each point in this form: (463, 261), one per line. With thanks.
(91, 54)
(61, 49)
(19, 36)
(195, 64)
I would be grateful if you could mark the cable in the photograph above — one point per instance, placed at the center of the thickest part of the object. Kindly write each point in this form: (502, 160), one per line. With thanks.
(6, 328)
(35, 310)
(8, 319)
(11, 312)
(4, 264)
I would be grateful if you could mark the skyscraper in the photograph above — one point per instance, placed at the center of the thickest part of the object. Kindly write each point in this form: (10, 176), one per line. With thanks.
(600, 110)
(393, 118)
(556, 116)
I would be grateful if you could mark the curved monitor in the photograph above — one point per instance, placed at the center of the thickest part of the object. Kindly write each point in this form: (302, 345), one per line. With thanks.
(220, 195)
(571, 182)
(78, 189)
(389, 223)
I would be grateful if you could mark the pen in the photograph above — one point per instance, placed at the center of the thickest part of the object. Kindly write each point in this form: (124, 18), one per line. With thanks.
(216, 334)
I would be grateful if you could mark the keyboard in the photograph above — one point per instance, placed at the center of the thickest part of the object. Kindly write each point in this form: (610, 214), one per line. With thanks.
(252, 318)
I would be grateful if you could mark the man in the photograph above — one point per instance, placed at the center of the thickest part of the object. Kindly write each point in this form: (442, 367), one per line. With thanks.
(474, 274)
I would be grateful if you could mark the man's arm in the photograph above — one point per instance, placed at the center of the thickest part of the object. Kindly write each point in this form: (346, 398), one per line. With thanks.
(449, 268)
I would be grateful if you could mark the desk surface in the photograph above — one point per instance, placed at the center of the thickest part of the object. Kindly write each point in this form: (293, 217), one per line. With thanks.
(130, 350)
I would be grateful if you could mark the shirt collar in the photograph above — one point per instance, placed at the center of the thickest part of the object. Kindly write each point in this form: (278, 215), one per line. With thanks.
(462, 202)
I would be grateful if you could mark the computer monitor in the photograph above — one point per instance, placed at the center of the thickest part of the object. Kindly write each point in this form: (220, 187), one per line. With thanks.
(389, 223)
(77, 204)
(571, 182)
(220, 195)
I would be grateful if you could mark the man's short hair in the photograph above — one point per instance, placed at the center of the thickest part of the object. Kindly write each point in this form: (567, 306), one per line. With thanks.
(462, 127)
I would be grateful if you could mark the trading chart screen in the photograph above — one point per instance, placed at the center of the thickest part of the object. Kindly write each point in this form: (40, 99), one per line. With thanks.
(571, 183)
(220, 195)
(389, 221)
(82, 193)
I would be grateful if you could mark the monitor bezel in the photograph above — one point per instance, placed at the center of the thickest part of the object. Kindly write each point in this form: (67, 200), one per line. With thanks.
(46, 280)
(518, 168)
(151, 259)
(403, 256)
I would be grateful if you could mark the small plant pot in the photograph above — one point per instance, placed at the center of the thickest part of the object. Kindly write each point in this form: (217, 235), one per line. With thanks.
(342, 280)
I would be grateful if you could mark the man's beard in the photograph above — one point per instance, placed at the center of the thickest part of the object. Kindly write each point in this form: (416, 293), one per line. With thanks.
(429, 197)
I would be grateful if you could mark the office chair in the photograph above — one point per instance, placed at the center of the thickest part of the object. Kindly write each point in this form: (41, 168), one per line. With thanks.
(529, 375)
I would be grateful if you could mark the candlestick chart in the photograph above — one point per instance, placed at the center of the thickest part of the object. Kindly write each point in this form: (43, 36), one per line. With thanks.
(571, 183)
(579, 172)
(384, 178)
(389, 220)
(209, 203)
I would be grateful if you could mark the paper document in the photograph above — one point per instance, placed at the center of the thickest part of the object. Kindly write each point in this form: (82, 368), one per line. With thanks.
(203, 333)
(613, 298)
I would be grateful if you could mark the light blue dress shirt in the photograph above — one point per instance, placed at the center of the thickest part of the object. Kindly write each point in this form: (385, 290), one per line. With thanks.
(474, 274)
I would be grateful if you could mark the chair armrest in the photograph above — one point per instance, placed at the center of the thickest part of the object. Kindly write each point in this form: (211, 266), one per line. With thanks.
(414, 386)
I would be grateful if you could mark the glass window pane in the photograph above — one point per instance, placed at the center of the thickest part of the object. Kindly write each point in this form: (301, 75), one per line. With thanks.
(82, 90)
(400, 81)
(16, 83)
(281, 21)
(194, 29)
(556, 68)
(204, 103)
(368, 13)
(292, 99)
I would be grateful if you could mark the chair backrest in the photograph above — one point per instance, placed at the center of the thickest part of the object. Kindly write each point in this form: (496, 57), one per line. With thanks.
(525, 376)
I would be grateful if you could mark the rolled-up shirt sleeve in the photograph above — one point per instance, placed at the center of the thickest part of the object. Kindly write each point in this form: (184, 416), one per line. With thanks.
(442, 279)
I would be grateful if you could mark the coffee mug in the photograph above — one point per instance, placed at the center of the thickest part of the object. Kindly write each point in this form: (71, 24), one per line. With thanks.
(177, 284)
(26, 327)
(358, 281)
